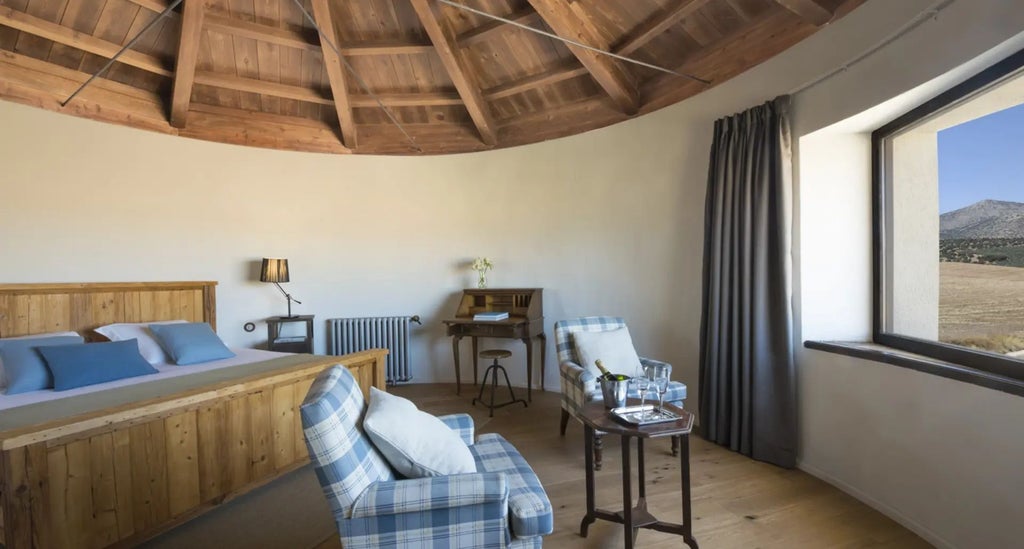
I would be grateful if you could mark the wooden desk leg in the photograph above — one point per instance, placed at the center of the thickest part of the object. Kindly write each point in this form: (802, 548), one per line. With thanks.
(543, 350)
(476, 357)
(627, 494)
(684, 469)
(529, 368)
(458, 370)
(588, 452)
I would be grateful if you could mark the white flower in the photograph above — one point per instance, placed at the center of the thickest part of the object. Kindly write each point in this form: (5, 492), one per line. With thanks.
(482, 264)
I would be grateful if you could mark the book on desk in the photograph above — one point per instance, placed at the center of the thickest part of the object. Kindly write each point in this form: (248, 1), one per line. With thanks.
(490, 316)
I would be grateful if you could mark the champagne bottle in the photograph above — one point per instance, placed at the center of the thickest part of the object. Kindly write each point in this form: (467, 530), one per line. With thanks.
(605, 374)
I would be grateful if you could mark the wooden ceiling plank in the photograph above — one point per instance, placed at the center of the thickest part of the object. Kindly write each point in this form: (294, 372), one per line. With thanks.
(545, 78)
(69, 37)
(485, 31)
(260, 32)
(609, 73)
(809, 10)
(765, 36)
(458, 69)
(292, 39)
(262, 87)
(658, 24)
(299, 93)
(335, 72)
(185, 62)
(40, 84)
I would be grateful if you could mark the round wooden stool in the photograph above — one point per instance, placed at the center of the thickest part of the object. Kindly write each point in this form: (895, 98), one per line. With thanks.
(492, 371)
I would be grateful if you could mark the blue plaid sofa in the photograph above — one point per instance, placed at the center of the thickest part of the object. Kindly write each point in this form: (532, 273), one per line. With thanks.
(580, 386)
(501, 505)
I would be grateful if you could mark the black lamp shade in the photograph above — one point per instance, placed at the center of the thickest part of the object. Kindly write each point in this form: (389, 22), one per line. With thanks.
(274, 270)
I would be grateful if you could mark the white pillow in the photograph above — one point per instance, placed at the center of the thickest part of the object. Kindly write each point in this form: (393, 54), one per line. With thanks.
(3, 376)
(149, 348)
(415, 443)
(613, 347)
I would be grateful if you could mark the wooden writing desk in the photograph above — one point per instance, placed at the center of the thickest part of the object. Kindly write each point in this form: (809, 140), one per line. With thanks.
(525, 321)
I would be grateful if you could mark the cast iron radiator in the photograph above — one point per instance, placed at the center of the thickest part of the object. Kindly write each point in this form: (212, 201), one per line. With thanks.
(351, 335)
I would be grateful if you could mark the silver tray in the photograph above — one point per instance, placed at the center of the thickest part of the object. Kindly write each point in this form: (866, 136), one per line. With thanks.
(643, 415)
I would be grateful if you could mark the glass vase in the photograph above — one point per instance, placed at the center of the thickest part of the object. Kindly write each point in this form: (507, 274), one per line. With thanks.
(481, 281)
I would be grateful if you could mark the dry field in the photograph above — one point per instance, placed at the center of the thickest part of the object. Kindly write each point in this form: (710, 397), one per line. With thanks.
(982, 306)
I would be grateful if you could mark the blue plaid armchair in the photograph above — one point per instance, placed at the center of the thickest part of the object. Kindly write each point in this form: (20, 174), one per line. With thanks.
(501, 505)
(580, 386)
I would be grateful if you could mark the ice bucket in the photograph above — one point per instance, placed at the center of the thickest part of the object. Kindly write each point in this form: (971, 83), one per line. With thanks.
(614, 392)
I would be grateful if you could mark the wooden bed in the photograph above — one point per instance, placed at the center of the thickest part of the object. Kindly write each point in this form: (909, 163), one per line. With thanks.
(118, 475)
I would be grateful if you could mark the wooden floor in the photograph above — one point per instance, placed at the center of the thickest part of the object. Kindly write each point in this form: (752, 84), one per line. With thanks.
(737, 502)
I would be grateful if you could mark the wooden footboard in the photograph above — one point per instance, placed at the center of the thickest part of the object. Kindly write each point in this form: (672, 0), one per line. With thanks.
(121, 475)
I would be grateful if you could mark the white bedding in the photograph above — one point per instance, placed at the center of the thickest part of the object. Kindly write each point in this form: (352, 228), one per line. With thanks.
(242, 356)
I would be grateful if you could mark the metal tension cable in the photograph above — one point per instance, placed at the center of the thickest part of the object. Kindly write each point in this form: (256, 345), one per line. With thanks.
(359, 80)
(573, 42)
(131, 43)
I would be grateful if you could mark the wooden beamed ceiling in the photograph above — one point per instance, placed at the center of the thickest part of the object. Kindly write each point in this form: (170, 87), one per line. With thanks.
(259, 72)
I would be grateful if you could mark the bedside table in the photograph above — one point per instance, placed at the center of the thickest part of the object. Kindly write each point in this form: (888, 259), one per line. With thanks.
(289, 344)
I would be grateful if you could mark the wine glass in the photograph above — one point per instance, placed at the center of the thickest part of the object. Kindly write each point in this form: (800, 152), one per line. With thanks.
(642, 384)
(662, 373)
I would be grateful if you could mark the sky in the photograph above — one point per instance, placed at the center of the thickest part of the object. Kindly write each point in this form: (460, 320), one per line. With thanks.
(982, 159)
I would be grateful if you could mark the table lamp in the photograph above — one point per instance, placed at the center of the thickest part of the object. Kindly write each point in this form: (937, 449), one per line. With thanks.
(276, 271)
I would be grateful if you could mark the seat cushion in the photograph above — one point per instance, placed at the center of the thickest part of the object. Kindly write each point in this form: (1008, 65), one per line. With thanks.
(529, 508)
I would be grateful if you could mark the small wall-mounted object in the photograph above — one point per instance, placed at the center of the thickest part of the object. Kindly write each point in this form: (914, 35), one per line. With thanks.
(249, 327)
(279, 340)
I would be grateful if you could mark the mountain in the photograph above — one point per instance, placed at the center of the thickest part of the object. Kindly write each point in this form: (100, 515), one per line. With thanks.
(986, 219)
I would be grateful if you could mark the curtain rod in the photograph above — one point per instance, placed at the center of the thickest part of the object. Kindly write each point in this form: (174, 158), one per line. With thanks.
(921, 18)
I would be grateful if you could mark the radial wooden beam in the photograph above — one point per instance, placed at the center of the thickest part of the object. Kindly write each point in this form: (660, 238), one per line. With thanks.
(565, 19)
(443, 38)
(69, 37)
(810, 10)
(658, 24)
(185, 63)
(335, 72)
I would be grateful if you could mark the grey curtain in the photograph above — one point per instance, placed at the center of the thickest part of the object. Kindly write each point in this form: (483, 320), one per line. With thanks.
(747, 377)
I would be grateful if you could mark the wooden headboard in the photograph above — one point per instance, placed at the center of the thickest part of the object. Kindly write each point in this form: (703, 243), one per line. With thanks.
(27, 309)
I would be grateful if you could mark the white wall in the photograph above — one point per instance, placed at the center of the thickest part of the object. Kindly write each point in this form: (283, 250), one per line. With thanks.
(940, 456)
(607, 222)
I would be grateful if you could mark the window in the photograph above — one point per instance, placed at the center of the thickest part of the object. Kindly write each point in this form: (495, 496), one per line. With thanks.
(949, 225)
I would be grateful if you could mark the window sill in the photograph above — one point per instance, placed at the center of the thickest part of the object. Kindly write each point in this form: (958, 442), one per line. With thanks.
(920, 363)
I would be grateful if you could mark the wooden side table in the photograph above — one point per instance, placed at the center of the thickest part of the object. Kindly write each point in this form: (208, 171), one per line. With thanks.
(289, 344)
(595, 417)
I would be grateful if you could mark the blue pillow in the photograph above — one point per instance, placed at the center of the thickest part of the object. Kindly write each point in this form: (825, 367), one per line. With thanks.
(190, 343)
(24, 367)
(91, 363)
